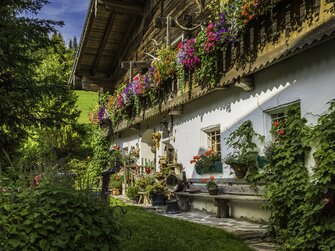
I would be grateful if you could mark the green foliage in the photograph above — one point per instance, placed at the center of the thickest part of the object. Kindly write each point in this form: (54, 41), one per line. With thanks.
(211, 184)
(245, 149)
(287, 177)
(132, 192)
(206, 162)
(20, 92)
(208, 71)
(166, 63)
(154, 188)
(102, 156)
(143, 182)
(181, 76)
(53, 216)
(116, 181)
(316, 227)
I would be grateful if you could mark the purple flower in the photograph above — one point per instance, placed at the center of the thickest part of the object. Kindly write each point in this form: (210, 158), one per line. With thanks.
(102, 113)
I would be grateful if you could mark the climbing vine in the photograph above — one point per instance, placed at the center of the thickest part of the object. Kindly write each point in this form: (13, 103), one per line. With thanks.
(317, 224)
(286, 176)
(302, 206)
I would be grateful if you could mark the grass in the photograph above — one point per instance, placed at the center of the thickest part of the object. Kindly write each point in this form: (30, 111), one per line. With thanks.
(152, 232)
(87, 100)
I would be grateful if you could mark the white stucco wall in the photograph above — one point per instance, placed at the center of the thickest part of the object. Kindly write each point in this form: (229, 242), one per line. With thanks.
(308, 77)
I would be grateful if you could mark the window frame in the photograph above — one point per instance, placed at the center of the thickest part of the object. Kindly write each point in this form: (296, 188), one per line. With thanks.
(208, 135)
(280, 111)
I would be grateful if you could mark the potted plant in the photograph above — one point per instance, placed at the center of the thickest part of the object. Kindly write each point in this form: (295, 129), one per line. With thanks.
(212, 186)
(241, 162)
(156, 193)
(132, 193)
(245, 150)
(208, 162)
(116, 184)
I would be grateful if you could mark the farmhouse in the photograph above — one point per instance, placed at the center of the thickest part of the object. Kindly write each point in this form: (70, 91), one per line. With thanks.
(183, 76)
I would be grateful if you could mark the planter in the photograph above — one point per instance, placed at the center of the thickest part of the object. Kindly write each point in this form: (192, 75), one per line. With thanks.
(240, 171)
(158, 199)
(213, 191)
(216, 168)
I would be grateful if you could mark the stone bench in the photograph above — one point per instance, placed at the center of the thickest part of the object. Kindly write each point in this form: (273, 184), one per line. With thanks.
(221, 201)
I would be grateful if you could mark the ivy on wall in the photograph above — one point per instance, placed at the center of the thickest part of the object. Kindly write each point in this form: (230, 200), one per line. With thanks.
(302, 206)
(317, 222)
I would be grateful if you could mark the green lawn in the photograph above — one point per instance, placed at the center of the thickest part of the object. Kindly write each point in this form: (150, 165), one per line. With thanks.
(87, 100)
(151, 232)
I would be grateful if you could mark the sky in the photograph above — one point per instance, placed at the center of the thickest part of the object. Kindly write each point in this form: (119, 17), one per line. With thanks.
(71, 12)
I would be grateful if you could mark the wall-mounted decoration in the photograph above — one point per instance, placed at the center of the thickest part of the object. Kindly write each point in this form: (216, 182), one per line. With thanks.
(156, 138)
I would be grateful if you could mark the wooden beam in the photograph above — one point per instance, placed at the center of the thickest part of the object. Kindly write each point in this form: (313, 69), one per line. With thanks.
(102, 46)
(246, 83)
(124, 8)
(125, 43)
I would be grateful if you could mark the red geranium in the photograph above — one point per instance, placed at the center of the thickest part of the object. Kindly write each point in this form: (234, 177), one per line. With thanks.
(276, 123)
(281, 132)
(209, 152)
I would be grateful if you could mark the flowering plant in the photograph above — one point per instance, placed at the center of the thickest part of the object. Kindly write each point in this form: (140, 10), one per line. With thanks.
(165, 64)
(250, 9)
(211, 184)
(93, 116)
(217, 32)
(102, 114)
(205, 163)
(187, 55)
(278, 127)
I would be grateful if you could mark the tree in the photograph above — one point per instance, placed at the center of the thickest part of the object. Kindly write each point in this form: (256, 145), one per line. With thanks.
(70, 44)
(75, 43)
(58, 140)
(20, 91)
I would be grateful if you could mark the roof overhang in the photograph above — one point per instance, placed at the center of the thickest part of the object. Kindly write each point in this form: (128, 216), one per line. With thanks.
(107, 30)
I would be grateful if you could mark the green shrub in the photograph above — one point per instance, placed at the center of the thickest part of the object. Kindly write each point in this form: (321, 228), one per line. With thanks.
(132, 192)
(116, 181)
(56, 217)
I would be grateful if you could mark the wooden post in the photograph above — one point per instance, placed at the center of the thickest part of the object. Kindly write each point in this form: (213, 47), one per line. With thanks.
(132, 65)
(168, 30)
(131, 71)
(124, 190)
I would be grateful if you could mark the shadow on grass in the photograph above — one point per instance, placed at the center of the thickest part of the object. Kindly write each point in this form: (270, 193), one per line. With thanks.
(156, 232)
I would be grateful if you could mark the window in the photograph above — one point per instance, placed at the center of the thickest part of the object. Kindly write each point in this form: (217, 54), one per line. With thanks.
(278, 120)
(277, 116)
(212, 138)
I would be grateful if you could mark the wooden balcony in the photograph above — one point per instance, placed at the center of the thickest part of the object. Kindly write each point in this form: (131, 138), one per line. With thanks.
(289, 29)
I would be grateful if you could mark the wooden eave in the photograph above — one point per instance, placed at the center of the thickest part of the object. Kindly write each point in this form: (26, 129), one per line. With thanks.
(108, 23)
